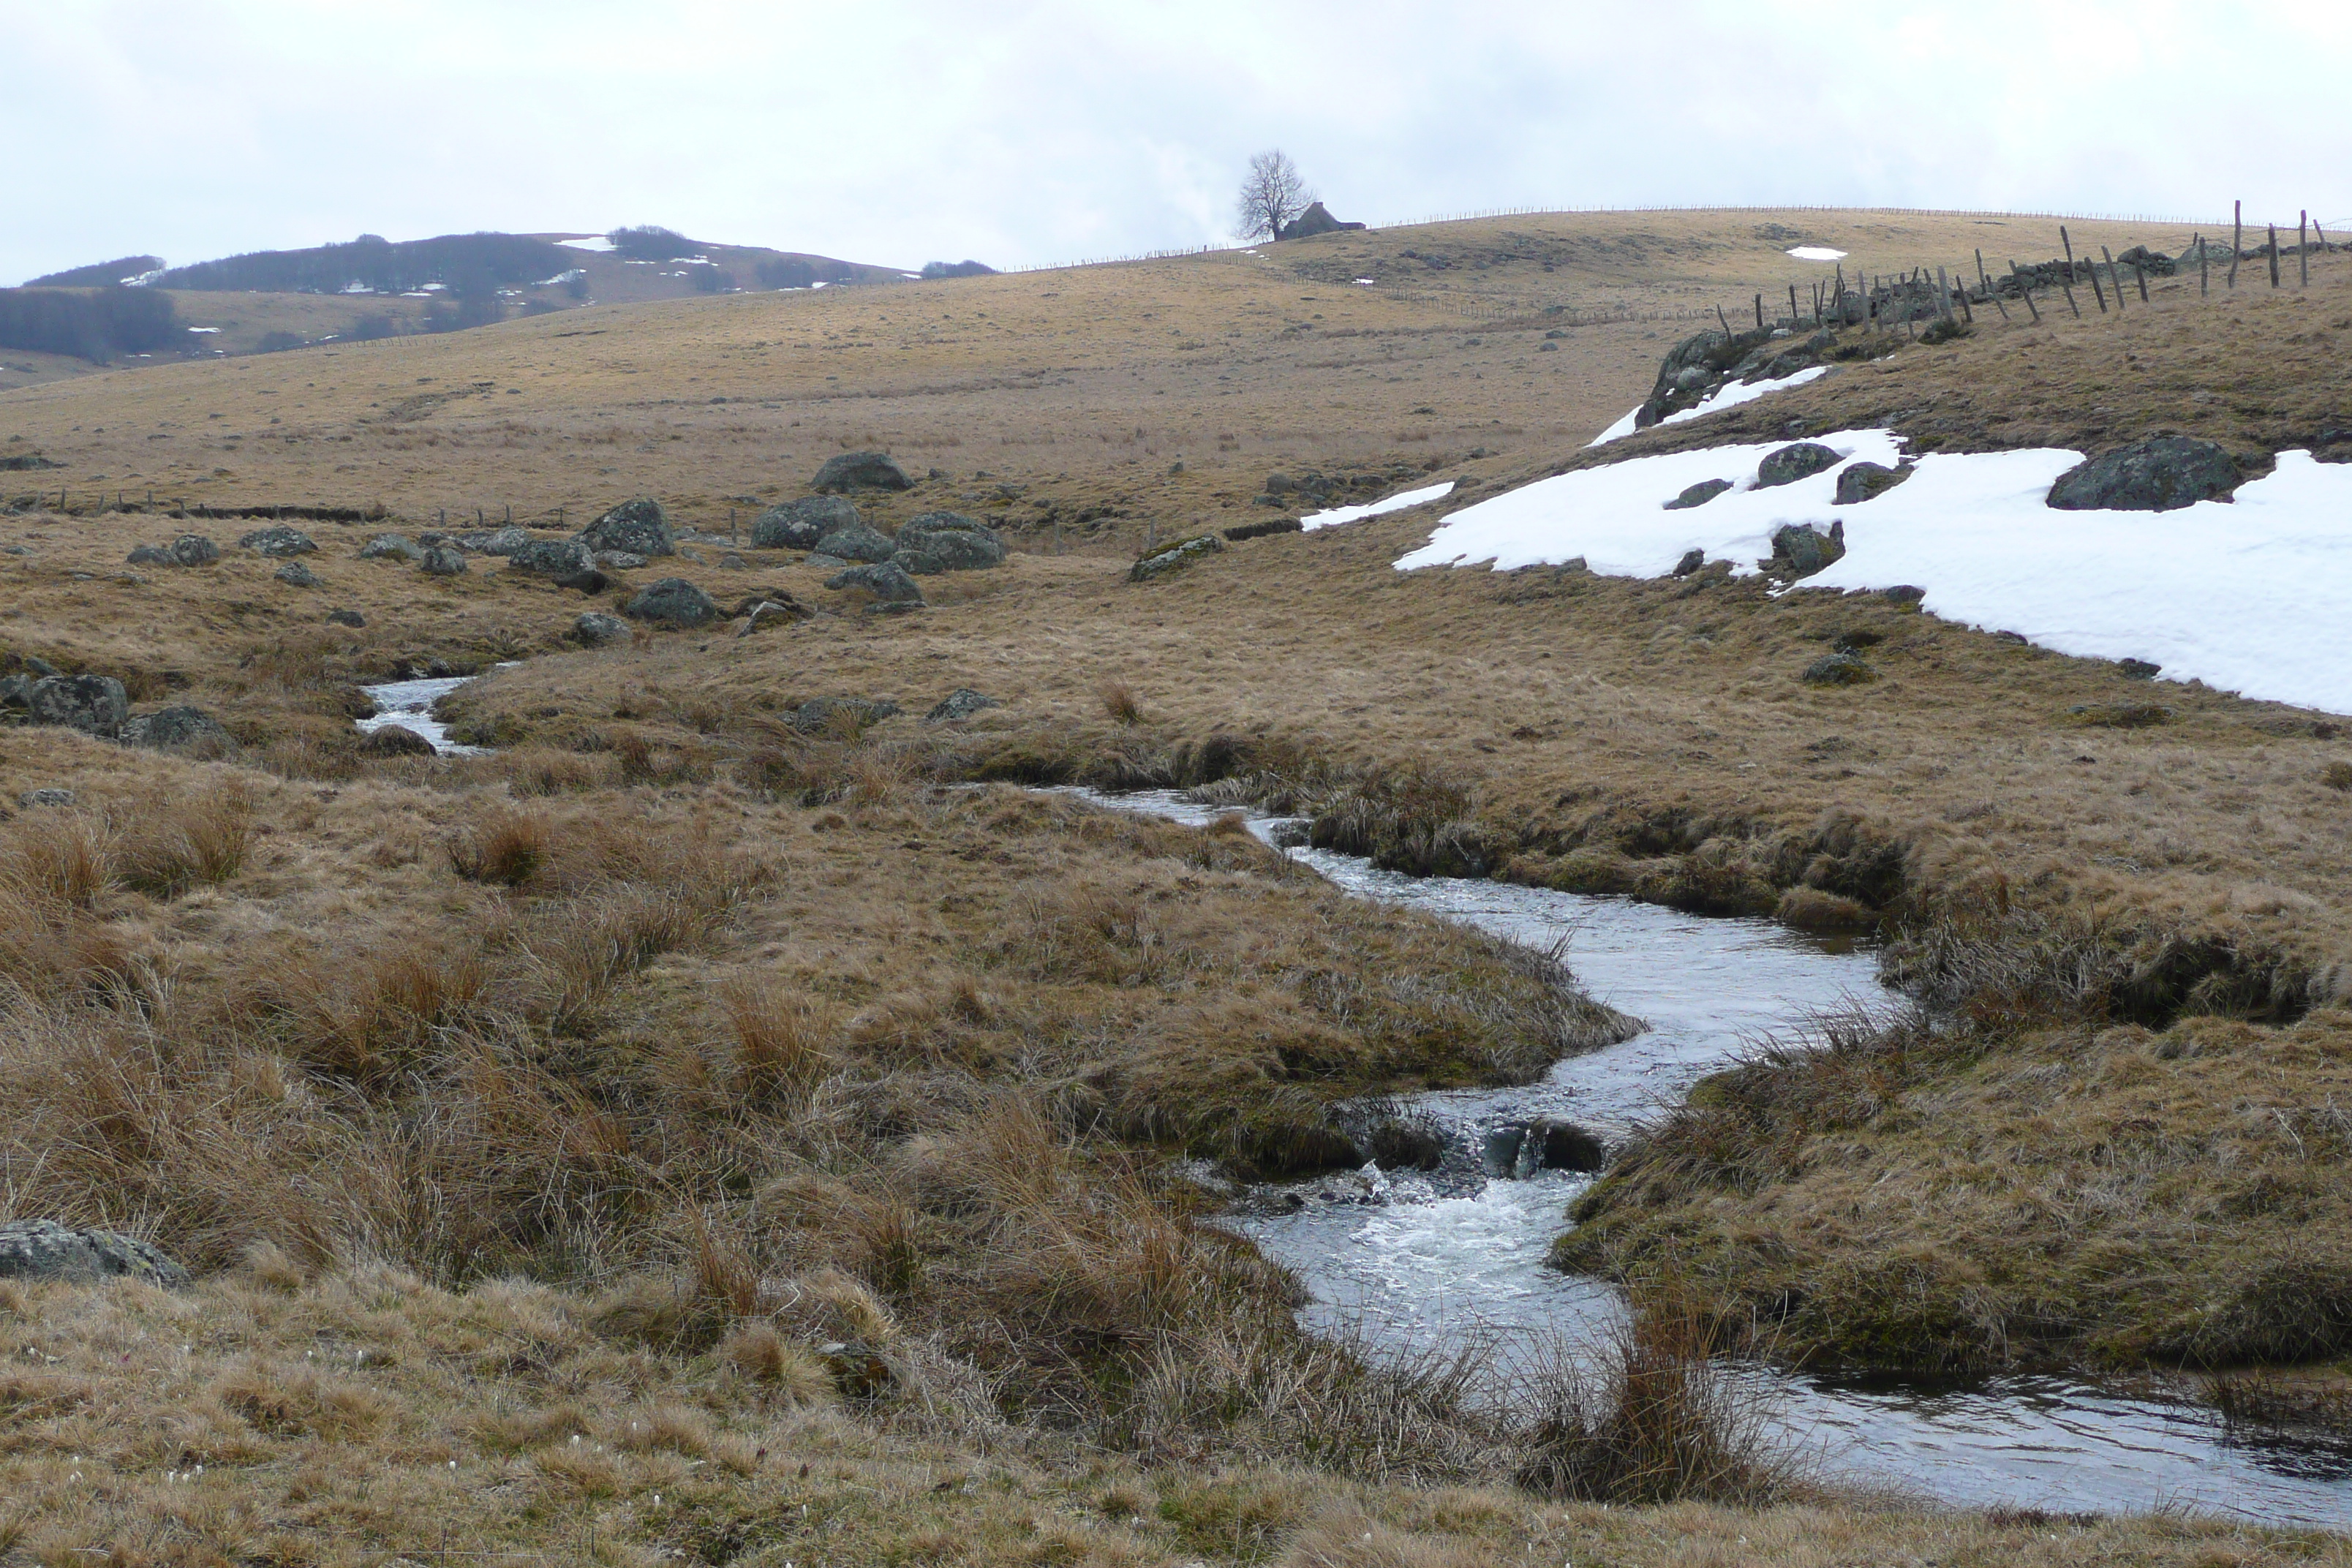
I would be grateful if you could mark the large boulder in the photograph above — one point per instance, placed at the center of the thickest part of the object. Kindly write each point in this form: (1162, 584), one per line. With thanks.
(1800, 460)
(799, 524)
(44, 1249)
(280, 540)
(392, 547)
(886, 580)
(1316, 219)
(179, 729)
(638, 527)
(2163, 473)
(496, 541)
(295, 574)
(1698, 494)
(188, 550)
(94, 704)
(445, 561)
(672, 601)
(564, 561)
(861, 471)
(961, 703)
(1865, 482)
(948, 542)
(858, 542)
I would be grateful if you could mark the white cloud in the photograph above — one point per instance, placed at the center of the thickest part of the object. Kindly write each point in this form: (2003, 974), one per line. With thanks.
(909, 131)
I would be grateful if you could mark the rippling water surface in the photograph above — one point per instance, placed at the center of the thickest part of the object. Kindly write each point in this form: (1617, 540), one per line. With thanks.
(1431, 1266)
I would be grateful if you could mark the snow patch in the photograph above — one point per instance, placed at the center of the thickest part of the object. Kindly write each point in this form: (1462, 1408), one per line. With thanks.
(2246, 595)
(203, 329)
(1729, 396)
(143, 279)
(594, 242)
(356, 287)
(1339, 514)
(571, 275)
(1365, 281)
(1817, 253)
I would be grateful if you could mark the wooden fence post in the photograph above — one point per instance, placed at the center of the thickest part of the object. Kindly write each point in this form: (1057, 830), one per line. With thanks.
(2025, 288)
(2302, 250)
(2237, 239)
(2273, 256)
(2115, 279)
(2204, 276)
(1759, 312)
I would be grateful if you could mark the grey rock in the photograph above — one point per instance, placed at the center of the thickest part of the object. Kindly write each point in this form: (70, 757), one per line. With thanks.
(886, 581)
(639, 527)
(94, 704)
(345, 618)
(2163, 473)
(1691, 561)
(961, 703)
(1315, 220)
(1801, 550)
(730, 561)
(38, 666)
(33, 797)
(1799, 460)
(12, 689)
(822, 714)
(1698, 494)
(858, 542)
(820, 561)
(191, 550)
(395, 741)
(948, 542)
(565, 562)
(799, 524)
(295, 574)
(861, 471)
(2138, 669)
(44, 1249)
(597, 629)
(757, 611)
(619, 560)
(147, 556)
(1903, 594)
(1863, 481)
(1839, 670)
(500, 542)
(445, 561)
(672, 601)
(278, 542)
(1175, 558)
(392, 547)
(180, 728)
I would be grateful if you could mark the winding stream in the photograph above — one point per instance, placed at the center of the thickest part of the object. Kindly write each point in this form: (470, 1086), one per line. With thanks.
(1427, 1261)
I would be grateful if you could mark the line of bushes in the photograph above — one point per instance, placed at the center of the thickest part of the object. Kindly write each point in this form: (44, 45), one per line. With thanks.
(95, 324)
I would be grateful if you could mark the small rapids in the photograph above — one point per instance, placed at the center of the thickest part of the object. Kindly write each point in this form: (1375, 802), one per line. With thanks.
(1410, 1260)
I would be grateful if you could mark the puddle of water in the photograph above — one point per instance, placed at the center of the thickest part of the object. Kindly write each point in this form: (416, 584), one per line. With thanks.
(1427, 1265)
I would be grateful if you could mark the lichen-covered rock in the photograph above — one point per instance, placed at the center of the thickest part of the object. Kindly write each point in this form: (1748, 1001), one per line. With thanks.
(94, 704)
(673, 601)
(858, 542)
(1799, 460)
(799, 524)
(280, 540)
(564, 561)
(180, 728)
(295, 574)
(948, 542)
(639, 527)
(1175, 558)
(44, 1249)
(392, 547)
(496, 541)
(2163, 473)
(1698, 494)
(961, 703)
(886, 580)
(826, 715)
(596, 630)
(1860, 482)
(445, 561)
(1801, 550)
(861, 471)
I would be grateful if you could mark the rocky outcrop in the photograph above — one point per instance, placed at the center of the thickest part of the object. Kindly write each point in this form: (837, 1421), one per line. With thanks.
(638, 527)
(799, 524)
(596, 630)
(948, 542)
(44, 1249)
(188, 550)
(1800, 460)
(672, 601)
(1175, 558)
(564, 561)
(1698, 494)
(295, 574)
(861, 471)
(1865, 482)
(1801, 550)
(278, 542)
(825, 715)
(94, 704)
(445, 561)
(392, 547)
(2163, 473)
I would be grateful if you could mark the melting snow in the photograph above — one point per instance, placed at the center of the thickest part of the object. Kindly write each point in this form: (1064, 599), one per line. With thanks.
(1729, 396)
(1817, 253)
(143, 279)
(1365, 281)
(560, 277)
(2246, 595)
(1339, 514)
(594, 242)
(203, 329)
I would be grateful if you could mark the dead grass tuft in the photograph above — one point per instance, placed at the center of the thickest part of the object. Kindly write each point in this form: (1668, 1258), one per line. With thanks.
(1119, 701)
(506, 847)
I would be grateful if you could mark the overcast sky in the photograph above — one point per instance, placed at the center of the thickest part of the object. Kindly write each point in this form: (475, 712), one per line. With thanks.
(909, 131)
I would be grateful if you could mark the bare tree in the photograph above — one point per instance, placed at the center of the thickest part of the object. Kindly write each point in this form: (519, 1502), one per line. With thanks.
(1273, 194)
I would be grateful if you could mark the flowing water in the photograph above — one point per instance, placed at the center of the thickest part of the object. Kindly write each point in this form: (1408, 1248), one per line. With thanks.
(409, 704)
(1425, 1260)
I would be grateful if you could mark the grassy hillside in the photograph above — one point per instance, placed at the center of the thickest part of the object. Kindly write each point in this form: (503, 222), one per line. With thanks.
(732, 1040)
